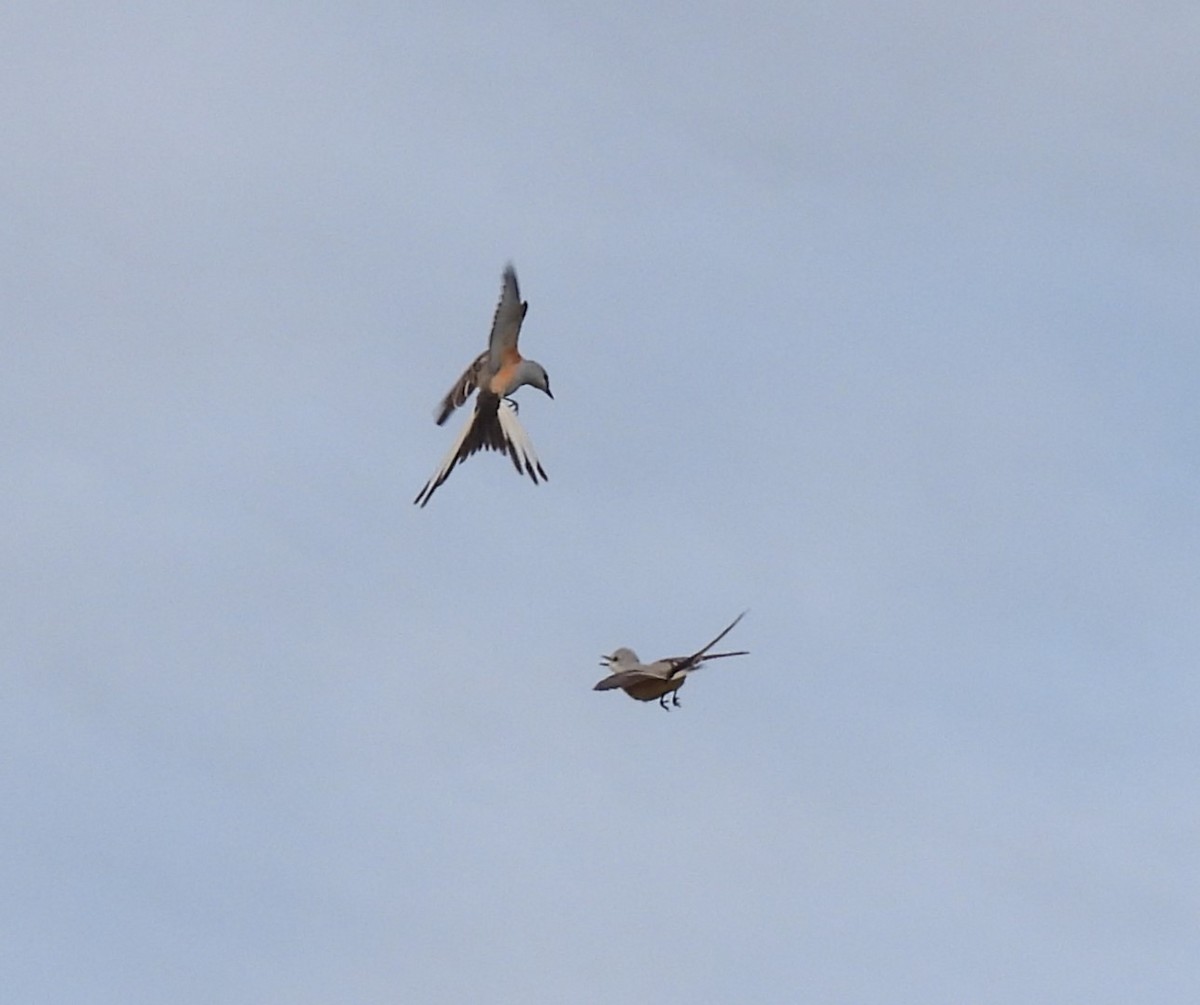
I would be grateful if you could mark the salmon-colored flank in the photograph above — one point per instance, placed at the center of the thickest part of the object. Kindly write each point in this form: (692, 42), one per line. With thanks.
(499, 383)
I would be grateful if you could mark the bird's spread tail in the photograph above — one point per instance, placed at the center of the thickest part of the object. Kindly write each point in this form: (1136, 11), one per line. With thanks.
(493, 426)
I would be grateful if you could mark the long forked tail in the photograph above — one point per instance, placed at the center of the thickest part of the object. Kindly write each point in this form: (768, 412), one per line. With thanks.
(493, 426)
(732, 625)
(688, 664)
(685, 664)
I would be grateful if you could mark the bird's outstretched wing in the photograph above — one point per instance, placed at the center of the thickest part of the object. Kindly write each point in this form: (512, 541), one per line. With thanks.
(506, 325)
(627, 678)
(462, 389)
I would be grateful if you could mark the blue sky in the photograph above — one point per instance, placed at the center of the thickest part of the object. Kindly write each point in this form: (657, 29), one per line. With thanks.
(878, 320)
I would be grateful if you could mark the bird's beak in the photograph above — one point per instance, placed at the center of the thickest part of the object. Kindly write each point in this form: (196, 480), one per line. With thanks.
(548, 394)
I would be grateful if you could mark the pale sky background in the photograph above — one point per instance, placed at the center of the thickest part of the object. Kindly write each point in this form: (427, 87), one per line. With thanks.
(877, 319)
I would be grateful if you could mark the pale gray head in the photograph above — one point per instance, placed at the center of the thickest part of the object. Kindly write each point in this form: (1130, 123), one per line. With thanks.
(622, 659)
(533, 374)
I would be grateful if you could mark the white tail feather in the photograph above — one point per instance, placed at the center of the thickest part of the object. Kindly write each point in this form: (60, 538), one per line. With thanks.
(518, 441)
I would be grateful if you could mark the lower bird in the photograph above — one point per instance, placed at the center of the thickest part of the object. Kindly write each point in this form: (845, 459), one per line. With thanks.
(495, 373)
(647, 681)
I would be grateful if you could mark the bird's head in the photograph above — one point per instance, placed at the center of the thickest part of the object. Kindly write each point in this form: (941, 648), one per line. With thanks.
(622, 659)
(540, 379)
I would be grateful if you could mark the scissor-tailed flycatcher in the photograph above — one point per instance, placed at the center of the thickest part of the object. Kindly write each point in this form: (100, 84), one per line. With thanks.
(496, 373)
(645, 682)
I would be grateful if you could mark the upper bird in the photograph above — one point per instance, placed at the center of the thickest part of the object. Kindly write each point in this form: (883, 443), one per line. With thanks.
(496, 373)
(645, 682)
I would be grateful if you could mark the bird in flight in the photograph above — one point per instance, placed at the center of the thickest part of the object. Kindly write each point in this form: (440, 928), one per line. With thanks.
(647, 681)
(495, 374)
